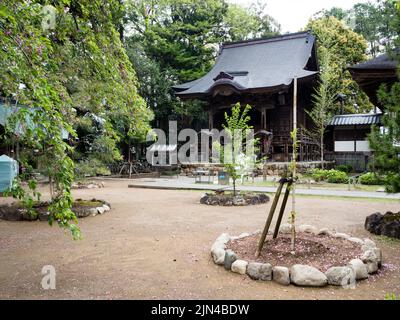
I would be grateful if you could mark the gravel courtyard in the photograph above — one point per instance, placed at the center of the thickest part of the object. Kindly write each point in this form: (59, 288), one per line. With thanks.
(155, 244)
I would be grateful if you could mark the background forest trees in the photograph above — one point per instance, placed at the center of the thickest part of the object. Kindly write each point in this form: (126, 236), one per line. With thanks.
(376, 21)
(176, 41)
(243, 23)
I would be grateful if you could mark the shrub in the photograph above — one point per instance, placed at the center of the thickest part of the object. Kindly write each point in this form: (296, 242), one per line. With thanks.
(170, 173)
(91, 168)
(345, 168)
(336, 176)
(319, 174)
(371, 178)
(331, 176)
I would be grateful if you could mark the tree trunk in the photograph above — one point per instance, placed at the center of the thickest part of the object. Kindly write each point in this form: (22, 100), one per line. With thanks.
(322, 151)
(51, 189)
(293, 238)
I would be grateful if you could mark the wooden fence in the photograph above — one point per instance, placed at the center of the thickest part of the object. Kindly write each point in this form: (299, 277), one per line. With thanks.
(360, 161)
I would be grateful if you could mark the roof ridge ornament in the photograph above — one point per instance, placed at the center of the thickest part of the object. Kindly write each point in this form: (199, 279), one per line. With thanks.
(223, 75)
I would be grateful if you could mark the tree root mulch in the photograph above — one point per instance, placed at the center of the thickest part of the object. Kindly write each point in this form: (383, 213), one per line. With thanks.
(321, 252)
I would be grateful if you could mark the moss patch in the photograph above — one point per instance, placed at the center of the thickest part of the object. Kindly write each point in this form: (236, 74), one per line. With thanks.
(87, 203)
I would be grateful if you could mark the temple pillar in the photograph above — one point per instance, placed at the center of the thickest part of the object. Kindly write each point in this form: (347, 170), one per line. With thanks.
(263, 119)
(210, 119)
(301, 152)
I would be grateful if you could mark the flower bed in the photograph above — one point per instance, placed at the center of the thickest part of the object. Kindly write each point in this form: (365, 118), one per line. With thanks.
(88, 185)
(322, 257)
(82, 209)
(228, 199)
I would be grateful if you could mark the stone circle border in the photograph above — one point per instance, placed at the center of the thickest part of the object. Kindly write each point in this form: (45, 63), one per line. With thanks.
(359, 268)
(20, 213)
(93, 211)
(249, 199)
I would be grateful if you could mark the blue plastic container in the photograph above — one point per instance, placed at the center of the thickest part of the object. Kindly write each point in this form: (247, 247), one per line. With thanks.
(8, 171)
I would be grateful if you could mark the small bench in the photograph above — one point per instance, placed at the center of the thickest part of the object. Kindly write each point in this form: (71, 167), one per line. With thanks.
(199, 173)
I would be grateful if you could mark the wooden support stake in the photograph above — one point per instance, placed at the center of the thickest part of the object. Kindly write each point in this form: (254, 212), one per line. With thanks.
(283, 207)
(293, 214)
(270, 216)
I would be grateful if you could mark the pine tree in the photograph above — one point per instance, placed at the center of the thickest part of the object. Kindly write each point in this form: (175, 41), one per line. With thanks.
(324, 101)
(386, 143)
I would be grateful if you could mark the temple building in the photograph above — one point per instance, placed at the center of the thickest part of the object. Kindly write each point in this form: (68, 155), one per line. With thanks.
(261, 73)
(370, 75)
(346, 139)
(347, 136)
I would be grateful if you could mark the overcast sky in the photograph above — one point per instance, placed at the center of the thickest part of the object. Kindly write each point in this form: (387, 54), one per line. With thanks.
(293, 15)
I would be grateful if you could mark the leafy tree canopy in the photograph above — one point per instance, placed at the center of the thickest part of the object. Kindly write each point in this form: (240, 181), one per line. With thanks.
(345, 48)
(67, 61)
(376, 21)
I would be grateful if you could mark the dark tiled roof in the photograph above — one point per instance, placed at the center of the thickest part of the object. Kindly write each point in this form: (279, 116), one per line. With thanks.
(256, 64)
(356, 119)
(384, 61)
(370, 75)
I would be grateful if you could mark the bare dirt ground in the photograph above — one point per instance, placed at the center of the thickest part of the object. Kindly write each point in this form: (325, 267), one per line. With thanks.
(156, 245)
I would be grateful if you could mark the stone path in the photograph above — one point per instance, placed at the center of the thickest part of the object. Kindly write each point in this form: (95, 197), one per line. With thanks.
(185, 183)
